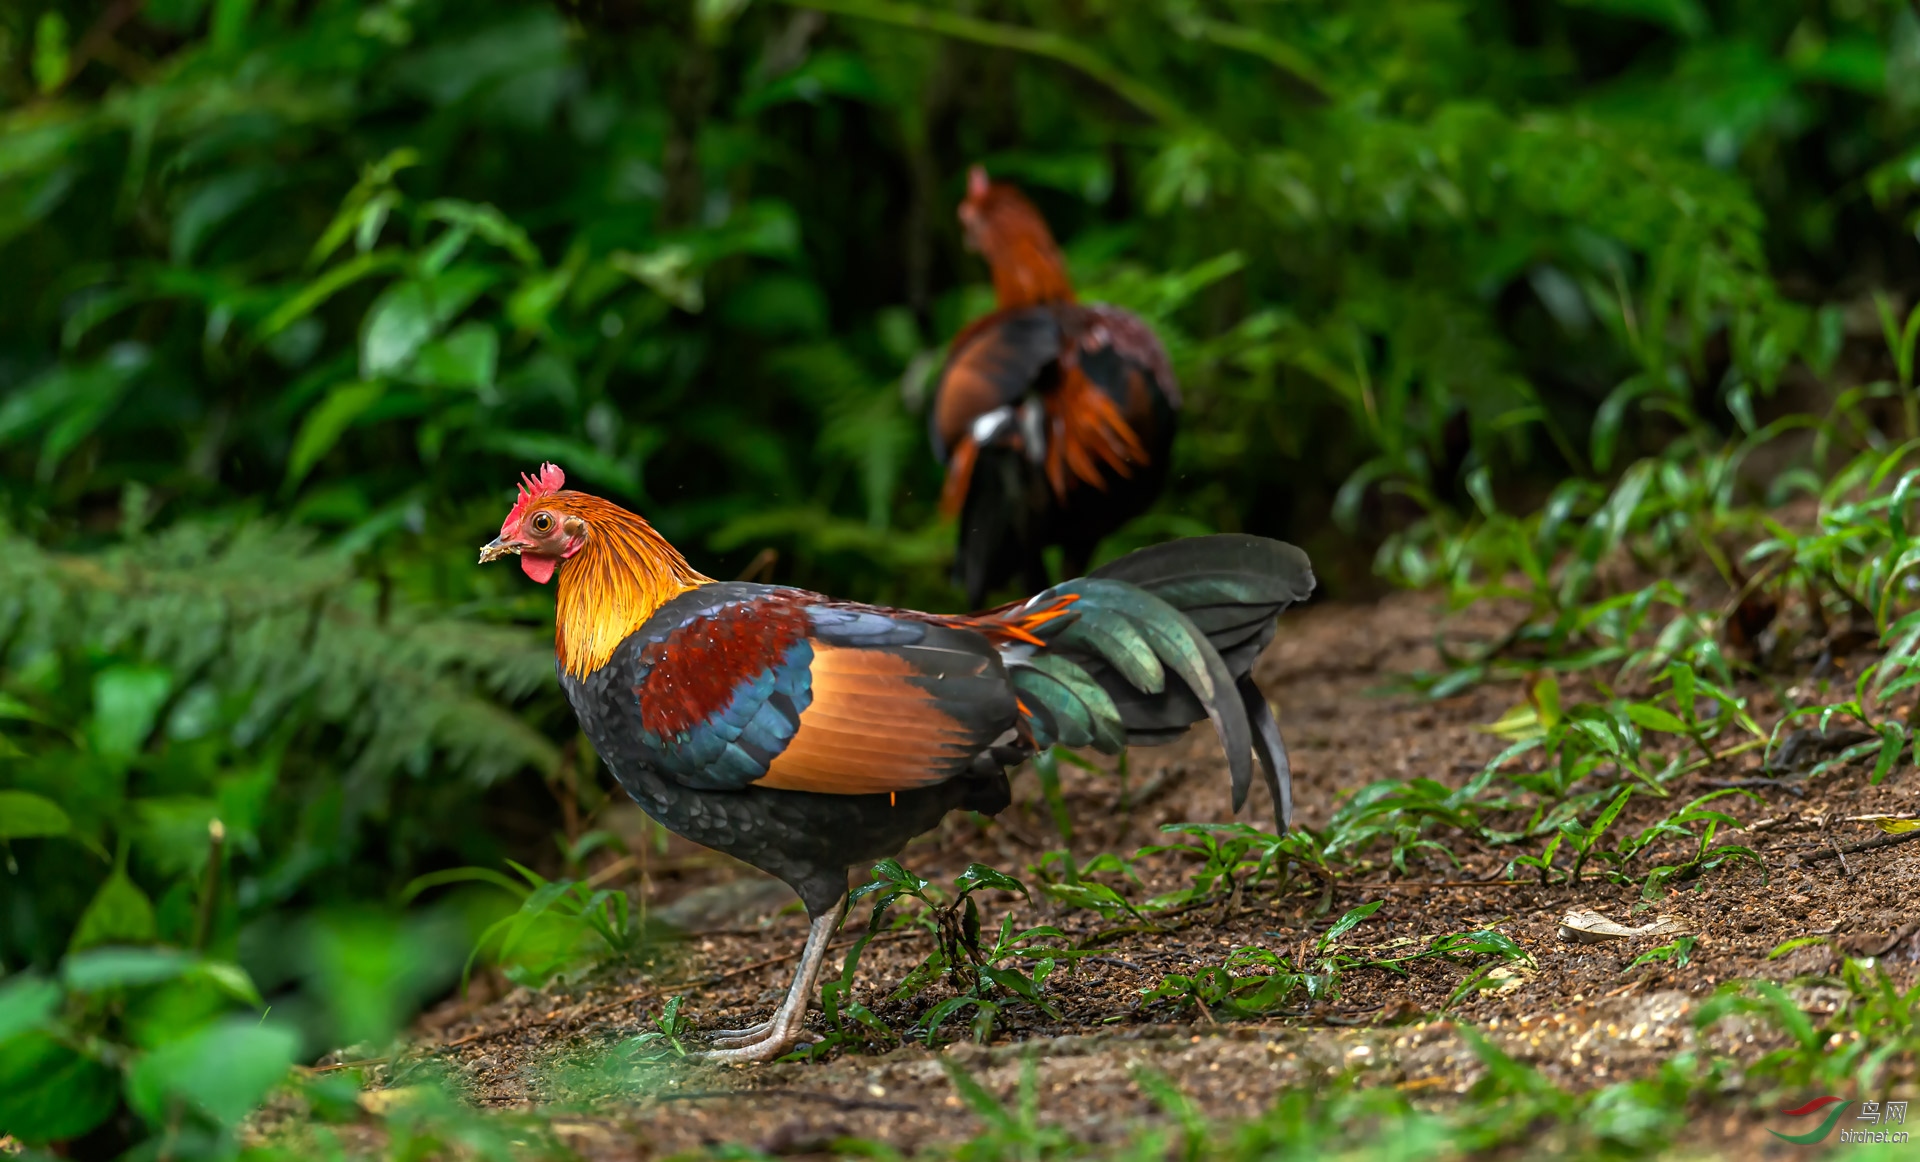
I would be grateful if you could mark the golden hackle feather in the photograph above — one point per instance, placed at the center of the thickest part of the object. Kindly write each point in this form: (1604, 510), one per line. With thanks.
(614, 583)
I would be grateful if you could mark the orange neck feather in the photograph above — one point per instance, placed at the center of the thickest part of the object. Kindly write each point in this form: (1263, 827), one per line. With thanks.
(1029, 270)
(614, 583)
(1027, 265)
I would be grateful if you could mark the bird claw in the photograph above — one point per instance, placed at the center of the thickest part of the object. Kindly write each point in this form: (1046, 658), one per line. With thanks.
(737, 1038)
(770, 1046)
(766, 1041)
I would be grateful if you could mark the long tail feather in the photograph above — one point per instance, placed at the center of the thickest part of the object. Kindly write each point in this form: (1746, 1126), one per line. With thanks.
(1272, 750)
(1092, 657)
(1139, 637)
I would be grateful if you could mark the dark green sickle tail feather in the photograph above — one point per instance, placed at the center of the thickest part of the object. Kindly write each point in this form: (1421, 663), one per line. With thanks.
(1160, 639)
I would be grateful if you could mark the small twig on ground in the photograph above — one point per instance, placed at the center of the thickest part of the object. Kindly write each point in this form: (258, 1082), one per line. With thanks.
(1772, 822)
(311, 1070)
(1425, 885)
(1826, 826)
(1873, 844)
(1717, 756)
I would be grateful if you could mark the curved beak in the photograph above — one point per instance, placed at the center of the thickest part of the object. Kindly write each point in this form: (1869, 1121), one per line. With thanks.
(499, 547)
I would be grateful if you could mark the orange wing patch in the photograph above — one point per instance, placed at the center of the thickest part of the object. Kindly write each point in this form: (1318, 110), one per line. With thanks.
(993, 362)
(953, 494)
(966, 394)
(869, 730)
(1087, 431)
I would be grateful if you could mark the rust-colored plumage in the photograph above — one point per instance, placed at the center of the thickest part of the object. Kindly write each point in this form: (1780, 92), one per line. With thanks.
(1014, 239)
(1054, 418)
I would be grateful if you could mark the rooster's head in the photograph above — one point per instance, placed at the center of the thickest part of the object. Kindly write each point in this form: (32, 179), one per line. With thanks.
(544, 528)
(994, 214)
(1006, 229)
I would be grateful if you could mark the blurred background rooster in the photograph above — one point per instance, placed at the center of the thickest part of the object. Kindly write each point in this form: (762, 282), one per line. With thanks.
(1054, 418)
(806, 736)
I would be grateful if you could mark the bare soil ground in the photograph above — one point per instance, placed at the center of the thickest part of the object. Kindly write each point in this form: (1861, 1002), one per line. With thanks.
(1579, 1014)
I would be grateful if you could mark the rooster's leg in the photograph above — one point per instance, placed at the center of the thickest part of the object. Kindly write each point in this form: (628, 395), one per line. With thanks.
(773, 1037)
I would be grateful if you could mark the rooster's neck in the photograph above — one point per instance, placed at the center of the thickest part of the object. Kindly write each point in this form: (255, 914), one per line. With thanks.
(1028, 270)
(611, 587)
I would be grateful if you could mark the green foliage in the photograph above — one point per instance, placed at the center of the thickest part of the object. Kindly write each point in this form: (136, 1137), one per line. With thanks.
(560, 924)
(231, 679)
(368, 257)
(1217, 991)
(208, 731)
(294, 290)
(1870, 1032)
(981, 974)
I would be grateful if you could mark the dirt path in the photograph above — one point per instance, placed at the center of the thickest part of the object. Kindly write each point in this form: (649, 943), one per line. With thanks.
(1577, 1011)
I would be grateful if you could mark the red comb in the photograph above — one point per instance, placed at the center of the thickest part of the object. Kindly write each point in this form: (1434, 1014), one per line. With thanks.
(550, 481)
(977, 182)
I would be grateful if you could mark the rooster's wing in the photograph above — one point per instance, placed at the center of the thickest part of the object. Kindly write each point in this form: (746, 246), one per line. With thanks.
(737, 685)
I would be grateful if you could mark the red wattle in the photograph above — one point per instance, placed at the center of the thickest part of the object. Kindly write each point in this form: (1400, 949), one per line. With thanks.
(539, 568)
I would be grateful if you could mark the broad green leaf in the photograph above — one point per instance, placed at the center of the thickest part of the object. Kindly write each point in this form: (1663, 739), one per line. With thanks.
(214, 202)
(49, 1093)
(327, 422)
(26, 1000)
(25, 815)
(230, 979)
(1897, 826)
(410, 312)
(119, 914)
(465, 357)
(126, 704)
(309, 298)
(1654, 718)
(489, 223)
(223, 1070)
(1607, 816)
(826, 73)
(1349, 922)
(399, 323)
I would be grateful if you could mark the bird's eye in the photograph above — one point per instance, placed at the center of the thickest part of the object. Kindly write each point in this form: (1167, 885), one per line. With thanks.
(542, 523)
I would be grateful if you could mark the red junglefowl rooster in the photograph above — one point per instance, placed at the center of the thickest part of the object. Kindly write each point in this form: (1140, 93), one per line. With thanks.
(807, 736)
(1054, 418)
